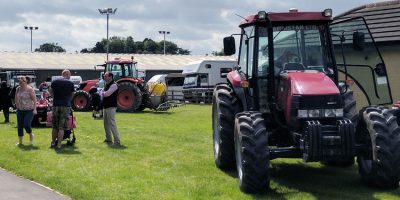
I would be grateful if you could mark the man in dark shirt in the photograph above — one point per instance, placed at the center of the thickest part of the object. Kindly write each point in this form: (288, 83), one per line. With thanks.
(110, 93)
(61, 90)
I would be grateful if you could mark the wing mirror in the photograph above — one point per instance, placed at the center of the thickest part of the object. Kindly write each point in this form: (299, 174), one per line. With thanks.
(229, 46)
(358, 41)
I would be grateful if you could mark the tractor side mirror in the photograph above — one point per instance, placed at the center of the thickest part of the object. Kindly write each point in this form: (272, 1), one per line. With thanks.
(380, 69)
(229, 46)
(358, 41)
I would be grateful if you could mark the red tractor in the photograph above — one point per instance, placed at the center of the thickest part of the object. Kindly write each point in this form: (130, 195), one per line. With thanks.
(131, 88)
(291, 96)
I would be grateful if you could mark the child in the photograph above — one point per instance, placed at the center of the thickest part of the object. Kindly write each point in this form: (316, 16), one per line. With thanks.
(97, 107)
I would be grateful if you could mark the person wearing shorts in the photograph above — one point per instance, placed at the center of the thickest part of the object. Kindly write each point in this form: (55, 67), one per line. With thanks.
(61, 90)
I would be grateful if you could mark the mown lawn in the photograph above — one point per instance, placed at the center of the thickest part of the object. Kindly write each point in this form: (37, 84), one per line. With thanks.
(164, 156)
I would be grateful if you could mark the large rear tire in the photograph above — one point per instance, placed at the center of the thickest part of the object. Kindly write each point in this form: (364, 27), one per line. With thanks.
(225, 106)
(379, 129)
(349, 112)
(129, 97)
(252, 153)
(81, 101)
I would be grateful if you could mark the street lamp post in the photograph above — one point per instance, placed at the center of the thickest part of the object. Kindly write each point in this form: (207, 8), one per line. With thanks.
(108, 12)
(164, 32)
(31, 28)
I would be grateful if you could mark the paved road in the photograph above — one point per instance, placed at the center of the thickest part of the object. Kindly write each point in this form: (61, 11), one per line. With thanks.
(13, 187)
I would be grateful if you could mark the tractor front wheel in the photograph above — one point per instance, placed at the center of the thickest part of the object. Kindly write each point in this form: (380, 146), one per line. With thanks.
(81, 101)
(252, 153)
(129, 97)
(379, 129)
(225, 106)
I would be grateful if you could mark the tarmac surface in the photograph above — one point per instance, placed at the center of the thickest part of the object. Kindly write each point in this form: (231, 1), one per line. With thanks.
(13, 187)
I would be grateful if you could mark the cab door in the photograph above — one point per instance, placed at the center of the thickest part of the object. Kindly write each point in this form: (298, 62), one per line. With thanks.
(358, 59)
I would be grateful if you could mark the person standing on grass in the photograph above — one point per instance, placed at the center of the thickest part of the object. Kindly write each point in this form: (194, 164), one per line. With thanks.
(25, 100)
(110, 93)
(61, 90)
(5, 101)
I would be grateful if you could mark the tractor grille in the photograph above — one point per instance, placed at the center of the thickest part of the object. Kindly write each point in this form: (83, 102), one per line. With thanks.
(323, 101)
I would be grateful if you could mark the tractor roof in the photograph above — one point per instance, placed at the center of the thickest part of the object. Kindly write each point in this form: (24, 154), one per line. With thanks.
(288, 17)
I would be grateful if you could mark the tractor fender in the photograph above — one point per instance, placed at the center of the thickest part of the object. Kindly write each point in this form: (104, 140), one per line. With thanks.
(234, 78)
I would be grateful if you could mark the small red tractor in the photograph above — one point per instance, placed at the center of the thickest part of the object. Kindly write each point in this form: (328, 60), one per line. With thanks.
(292, 95)
(133, 94)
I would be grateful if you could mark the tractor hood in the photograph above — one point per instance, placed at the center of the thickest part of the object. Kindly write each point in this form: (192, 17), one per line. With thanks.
(311, 83)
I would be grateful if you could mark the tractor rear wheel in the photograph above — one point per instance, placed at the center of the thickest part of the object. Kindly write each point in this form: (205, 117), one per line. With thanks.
(81, 101)
(349, 112)
(225, 106)
(380, 166)
(252, 154)
(129, 97)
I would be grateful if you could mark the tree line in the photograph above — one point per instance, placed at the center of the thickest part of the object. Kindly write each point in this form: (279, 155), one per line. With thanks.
(123, 45)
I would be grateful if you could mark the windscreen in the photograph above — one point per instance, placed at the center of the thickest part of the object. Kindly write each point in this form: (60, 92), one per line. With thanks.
(296, 47)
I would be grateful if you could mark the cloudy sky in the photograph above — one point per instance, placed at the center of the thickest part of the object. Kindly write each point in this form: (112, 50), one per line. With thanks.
(197, 25)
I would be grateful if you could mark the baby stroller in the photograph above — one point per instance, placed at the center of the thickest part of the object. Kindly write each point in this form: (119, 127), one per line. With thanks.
(69, 134)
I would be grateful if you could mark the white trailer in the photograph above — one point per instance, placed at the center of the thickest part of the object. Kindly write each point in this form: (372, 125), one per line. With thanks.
(202, 76)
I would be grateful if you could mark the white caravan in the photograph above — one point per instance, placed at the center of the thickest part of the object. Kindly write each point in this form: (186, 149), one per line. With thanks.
(202, 76)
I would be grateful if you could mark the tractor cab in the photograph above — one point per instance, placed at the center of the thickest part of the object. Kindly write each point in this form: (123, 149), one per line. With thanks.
(121, 68)
(285, 57)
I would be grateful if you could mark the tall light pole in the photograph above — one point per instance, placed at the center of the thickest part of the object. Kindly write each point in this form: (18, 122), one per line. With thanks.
(31, 28)
(164, 32)
(108, 12)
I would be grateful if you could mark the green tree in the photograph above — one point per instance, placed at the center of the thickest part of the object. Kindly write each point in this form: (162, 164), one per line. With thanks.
(139, 46)
(100, 47)
(170, 48)
(129, 45)
(183, 51)
(218, 53)
(50, 47)
(149, 46)
(117, 45)
(85, 50)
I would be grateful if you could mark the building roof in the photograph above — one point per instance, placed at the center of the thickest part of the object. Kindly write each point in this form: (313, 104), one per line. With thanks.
(383, 19)
(87, 61)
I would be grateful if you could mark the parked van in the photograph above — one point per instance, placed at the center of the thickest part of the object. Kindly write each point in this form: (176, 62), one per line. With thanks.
(202, 76)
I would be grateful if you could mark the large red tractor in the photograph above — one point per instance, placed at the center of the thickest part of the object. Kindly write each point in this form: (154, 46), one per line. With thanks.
(293, 96)
(131, 88)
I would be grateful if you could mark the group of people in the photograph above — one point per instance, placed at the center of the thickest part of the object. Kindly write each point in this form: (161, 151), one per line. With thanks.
(62, 91)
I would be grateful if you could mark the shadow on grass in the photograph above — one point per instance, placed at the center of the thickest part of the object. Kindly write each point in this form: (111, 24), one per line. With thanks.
(116, 146)
(65, 149)
(28, 147)
(321, 183)
(162, 113)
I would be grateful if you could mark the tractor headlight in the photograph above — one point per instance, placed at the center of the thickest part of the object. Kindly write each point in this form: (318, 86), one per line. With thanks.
(339, 112)
(315, 113)
(302, 113)
(329, 113)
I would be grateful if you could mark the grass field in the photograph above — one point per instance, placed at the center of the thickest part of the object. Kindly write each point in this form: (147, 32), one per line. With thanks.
(164, 156)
